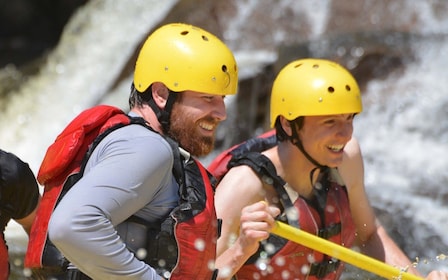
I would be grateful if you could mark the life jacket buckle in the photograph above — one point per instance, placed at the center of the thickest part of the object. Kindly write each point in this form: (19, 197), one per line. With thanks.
(320, 270)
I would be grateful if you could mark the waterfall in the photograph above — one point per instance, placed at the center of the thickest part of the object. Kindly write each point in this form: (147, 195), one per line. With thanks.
(95, 45)
(404, 135)
(403, 130)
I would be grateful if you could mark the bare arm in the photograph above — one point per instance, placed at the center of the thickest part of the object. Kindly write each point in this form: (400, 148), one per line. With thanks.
(27, 221)
(372, 238)
(246, 220)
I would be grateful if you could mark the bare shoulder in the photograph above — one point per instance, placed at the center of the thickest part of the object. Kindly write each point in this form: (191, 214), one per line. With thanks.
(352, 148)
(241, 175)
(240, 181)
(352, 166)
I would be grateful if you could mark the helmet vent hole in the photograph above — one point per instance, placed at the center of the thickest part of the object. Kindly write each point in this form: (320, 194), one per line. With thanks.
(224, 68)
(205, 38)
(315, 66)
(347, 87)
(184, 33)
(330, 89)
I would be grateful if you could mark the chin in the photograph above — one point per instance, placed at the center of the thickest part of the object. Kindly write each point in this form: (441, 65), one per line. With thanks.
(335, 163)
(207, 133)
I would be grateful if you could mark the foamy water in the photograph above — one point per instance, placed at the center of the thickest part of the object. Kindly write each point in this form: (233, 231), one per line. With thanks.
(403, 130)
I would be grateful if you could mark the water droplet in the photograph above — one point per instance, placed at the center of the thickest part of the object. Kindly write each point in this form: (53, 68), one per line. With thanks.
(225, 271)
(305, 269)
(211, 264)
(441, 257)
(141, 253)
(270, 248)
(311, 258)
(27, 272)
(166, 275)
(261, 264)
(292, 213)
(280, 261)
(286, 274)
(199, 244)
(161, 262)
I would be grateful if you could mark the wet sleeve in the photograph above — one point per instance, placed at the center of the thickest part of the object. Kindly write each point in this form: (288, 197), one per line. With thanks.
(19, 191)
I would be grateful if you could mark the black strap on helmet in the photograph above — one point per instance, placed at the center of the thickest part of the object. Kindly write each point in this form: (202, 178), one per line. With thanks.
(164, 115)
(298, 143)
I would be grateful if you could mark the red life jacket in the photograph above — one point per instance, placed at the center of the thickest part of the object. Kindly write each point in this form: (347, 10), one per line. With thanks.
(196, 236)
(63, 165)
(300, 262)
(4, 258)
(328, 217)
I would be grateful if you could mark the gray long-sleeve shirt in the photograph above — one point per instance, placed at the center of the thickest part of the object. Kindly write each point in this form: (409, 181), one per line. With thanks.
(129, 172)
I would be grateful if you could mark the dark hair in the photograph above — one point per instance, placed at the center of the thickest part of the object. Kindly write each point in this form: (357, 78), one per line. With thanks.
(280, 132)
(137, 99)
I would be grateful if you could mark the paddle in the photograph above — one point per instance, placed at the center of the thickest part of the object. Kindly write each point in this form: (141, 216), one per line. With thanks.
(341, 253)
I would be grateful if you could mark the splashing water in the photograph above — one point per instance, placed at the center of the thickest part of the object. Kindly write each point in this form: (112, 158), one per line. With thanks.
(403, 130)
(404, 136)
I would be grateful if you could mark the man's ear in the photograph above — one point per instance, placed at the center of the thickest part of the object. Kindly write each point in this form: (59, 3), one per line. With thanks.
(160, 94)
(286, 125)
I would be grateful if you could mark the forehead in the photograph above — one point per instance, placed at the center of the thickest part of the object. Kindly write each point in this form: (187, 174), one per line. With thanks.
(191, 93)
(311, 119)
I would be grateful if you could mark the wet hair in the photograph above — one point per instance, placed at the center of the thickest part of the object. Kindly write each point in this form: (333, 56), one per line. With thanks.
(280, 132)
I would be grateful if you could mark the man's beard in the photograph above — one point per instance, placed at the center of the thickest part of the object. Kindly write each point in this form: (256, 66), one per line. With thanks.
(184, 130)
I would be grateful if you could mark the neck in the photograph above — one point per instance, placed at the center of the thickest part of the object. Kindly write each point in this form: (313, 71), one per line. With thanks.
(149, 116)
(294, 168)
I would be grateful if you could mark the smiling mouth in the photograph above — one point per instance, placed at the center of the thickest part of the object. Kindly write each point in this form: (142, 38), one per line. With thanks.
(336, 148)
(207, 126)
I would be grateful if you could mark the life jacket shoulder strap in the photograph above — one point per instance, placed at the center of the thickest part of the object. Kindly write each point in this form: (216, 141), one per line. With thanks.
(114, 123)
(218, 167)
(267, 173)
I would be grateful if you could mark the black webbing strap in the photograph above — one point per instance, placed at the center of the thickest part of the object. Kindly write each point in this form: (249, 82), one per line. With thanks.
(321, 269)
(264, 168)
(320, 191)
(75, 274)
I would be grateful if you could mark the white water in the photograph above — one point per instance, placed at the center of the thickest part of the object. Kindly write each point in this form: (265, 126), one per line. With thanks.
(95, 45)
(403, 130)
(404, 135)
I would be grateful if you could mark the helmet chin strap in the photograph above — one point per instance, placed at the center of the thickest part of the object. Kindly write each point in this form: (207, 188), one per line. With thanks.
(163, 115)
(294, 138)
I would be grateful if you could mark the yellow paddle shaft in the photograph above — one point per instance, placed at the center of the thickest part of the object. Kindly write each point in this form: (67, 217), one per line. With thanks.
(341, 253)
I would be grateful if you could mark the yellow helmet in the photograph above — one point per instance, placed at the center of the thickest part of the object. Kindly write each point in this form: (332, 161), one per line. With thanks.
(312, 87)
(185, 57)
